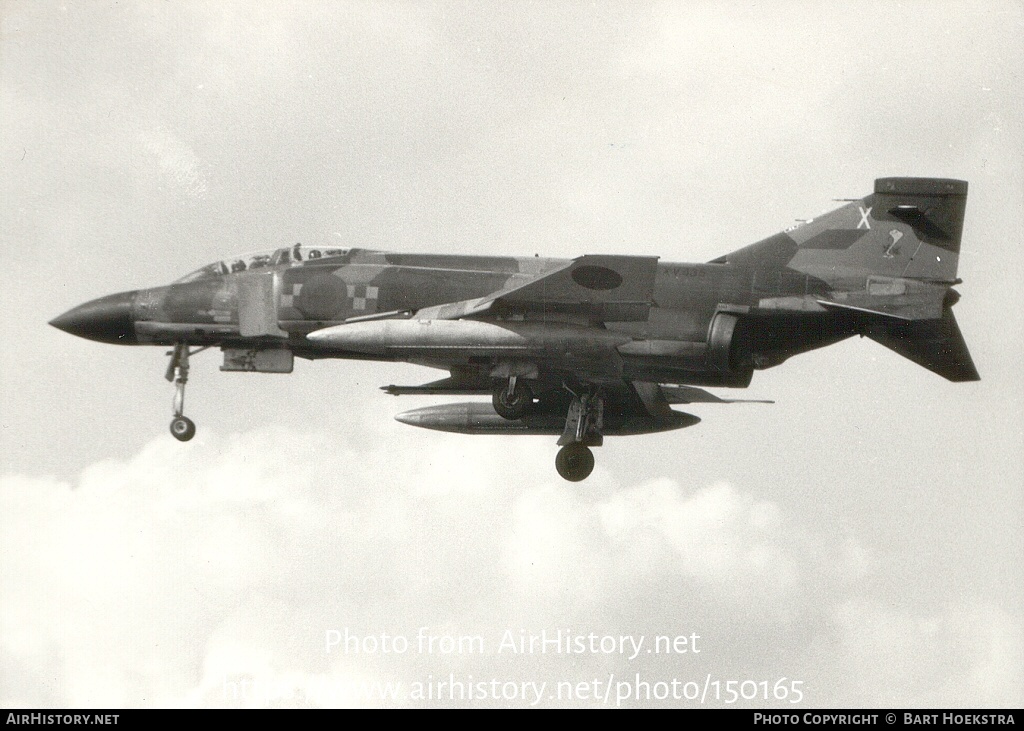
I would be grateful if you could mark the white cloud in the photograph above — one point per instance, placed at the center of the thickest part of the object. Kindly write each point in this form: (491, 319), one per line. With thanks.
(966, 655)
(178, 164)
(715, 535)
(174, 577)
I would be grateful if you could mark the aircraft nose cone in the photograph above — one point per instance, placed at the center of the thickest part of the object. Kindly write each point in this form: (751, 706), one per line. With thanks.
(107, 319)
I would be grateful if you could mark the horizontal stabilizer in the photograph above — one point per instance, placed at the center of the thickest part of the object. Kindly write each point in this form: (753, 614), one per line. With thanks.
(907, 311)
(936, 345)
(904, 299)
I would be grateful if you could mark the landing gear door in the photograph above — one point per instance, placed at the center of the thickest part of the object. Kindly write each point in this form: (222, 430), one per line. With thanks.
(257, 305)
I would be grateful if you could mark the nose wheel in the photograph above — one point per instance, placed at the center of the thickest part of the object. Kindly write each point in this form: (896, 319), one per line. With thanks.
(182, 427)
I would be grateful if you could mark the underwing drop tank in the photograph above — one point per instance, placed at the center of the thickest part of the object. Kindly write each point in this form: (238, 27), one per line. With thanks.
(480, 418)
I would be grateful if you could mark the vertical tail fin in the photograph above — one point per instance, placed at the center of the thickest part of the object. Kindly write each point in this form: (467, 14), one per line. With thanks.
(908, 228)
(888, 260)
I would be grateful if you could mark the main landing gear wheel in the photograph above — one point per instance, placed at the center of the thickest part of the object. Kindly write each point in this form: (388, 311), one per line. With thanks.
(574, 462)
(183, 428)
(512, 401)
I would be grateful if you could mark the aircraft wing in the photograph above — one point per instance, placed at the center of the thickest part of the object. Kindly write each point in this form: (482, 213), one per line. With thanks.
(694, 395)
(459, 385)
(643, 397)
(602, 288)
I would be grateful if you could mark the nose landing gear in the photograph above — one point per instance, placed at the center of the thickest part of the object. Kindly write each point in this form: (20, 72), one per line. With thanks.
(182, 427)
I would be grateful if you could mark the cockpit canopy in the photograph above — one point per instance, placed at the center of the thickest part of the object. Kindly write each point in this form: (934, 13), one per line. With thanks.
(288, 256)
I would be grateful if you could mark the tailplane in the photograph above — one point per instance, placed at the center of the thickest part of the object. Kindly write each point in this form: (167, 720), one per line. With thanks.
(936, 345)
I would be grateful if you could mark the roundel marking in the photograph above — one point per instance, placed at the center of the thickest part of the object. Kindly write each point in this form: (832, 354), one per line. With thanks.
(323, 297)
(595, 277)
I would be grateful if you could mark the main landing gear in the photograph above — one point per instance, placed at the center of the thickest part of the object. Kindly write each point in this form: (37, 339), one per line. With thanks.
(574, 462)
(584, 423)
(513, 400)
(583, 426)
(182, 427)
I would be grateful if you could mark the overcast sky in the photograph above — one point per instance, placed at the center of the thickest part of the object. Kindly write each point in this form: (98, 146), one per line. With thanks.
(862, 535)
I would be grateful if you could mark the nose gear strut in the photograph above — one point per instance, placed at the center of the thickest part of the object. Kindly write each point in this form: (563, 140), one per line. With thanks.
(182, 427)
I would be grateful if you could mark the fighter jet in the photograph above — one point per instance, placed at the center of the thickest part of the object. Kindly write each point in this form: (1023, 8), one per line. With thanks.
(574, 348)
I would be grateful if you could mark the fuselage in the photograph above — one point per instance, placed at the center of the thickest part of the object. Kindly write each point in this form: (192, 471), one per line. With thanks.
(275, 300)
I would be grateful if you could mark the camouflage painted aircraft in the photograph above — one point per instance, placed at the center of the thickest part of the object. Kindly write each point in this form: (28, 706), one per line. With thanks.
(579, 348)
